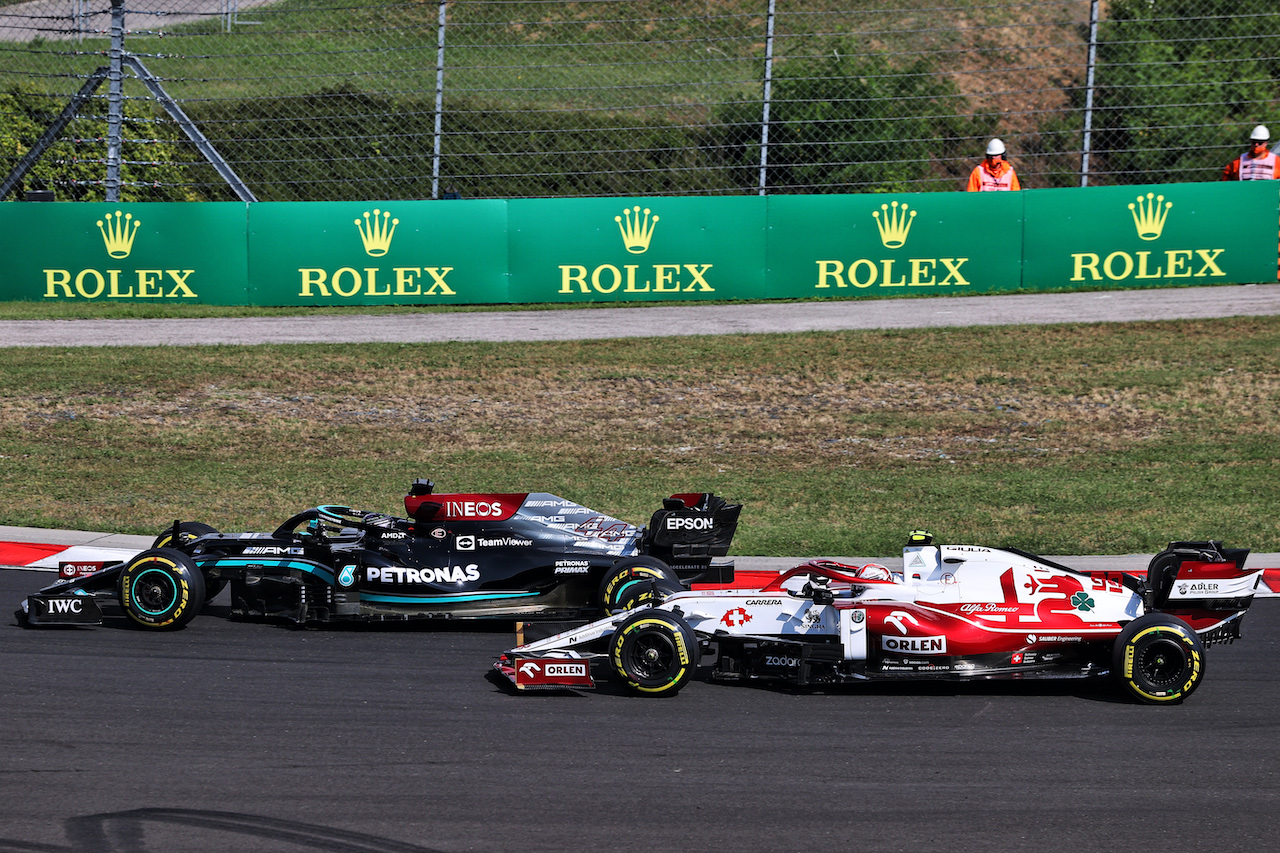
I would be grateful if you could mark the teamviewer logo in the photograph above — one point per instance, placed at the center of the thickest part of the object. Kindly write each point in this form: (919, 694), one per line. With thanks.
(465, 543)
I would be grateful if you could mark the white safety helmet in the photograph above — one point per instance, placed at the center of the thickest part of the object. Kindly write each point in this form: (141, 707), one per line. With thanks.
(1260, 134)
(995, 147)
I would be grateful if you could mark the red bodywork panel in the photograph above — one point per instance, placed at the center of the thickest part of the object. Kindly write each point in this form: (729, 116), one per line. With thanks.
(531, 672)
(80, 568)
(478, 507)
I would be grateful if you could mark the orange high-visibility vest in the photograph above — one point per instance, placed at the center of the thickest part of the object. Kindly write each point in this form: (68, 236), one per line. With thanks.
(1258, 168)
(1003, 179)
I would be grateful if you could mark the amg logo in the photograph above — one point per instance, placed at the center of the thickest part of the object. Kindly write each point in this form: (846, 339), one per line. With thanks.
(915, 645)
(265, 549)
(690, 523)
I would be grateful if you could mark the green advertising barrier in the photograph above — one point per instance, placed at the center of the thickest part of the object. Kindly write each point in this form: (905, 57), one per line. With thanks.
(628, 250)
(929, 244)
(1151, 236)
(378, 253)
(625, 250)
(171, 252)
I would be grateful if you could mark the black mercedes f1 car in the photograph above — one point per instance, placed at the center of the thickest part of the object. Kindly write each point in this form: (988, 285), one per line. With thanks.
(527, 556)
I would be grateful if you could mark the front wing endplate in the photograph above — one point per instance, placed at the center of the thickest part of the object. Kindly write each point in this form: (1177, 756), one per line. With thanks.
(547, 673)
(64, 609)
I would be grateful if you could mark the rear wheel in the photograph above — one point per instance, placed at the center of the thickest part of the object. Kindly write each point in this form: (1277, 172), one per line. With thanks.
(189, 531)
(654, 653)
(161, 589)
(624, 582)
(1158, 659)
(647, 592)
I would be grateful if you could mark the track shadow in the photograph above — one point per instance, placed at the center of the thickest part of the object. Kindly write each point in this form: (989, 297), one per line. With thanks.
(128, 831)
(1098, 689)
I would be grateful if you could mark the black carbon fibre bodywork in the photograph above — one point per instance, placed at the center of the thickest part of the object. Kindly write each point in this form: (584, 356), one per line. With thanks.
(523, 555)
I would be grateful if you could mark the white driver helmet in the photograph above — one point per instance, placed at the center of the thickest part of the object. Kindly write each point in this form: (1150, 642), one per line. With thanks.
(995, 147)
(1260, 134)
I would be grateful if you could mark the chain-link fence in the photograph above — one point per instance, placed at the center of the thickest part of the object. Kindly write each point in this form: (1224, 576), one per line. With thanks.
(407, 99)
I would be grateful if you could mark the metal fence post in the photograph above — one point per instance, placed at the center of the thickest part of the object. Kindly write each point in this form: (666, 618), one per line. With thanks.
(1088, 94)
(435, 152)
(767, 96)
(115, 100)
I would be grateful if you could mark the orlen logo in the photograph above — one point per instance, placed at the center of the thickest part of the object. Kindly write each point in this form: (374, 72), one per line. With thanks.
(916, 645)
(532, 672)
(689, 523)
(572, 670)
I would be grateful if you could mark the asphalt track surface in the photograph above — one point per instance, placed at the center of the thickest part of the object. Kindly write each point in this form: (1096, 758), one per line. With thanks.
(243, 736)
(255, 737)
(1190, 303)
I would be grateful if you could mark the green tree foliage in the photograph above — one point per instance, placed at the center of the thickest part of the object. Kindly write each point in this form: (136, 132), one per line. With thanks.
(848, 123)
(1180, 85)
(153, 159)
(343, 130)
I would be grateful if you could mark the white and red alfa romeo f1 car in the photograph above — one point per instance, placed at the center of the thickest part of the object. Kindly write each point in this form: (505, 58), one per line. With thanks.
(952, 612)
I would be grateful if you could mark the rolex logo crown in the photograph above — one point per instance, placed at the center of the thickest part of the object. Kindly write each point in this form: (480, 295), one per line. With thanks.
(1148, 216)
(375, 234)
(118, 233)
(896, 224)
(636, 233)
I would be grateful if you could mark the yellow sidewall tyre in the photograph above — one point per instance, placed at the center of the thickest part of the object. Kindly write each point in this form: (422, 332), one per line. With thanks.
(161, 589)
(646, 593)
(653, 653)
(630, 573)
(1158, 659)
(189, 531)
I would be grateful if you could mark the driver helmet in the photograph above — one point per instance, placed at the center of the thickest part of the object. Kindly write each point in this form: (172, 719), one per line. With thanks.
(875, 571)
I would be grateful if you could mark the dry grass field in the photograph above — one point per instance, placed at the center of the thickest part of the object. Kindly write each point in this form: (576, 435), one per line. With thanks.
(1063, 439)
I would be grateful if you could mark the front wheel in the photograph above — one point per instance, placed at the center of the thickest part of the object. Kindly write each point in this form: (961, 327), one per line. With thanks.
(654, 653)
(161, 589)
(1158, 659)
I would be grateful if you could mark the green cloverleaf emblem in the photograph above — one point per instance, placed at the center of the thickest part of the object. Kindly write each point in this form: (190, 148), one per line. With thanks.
(1082, 601)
